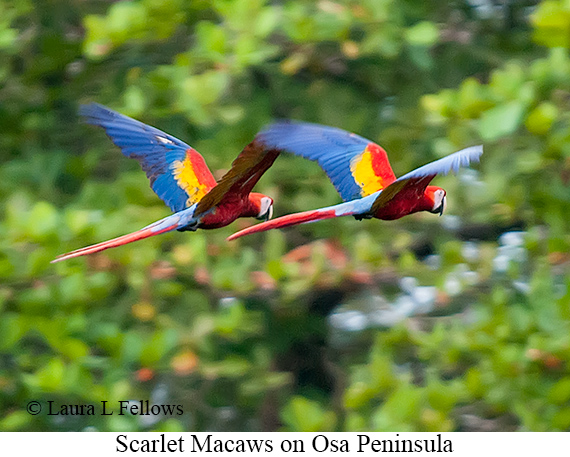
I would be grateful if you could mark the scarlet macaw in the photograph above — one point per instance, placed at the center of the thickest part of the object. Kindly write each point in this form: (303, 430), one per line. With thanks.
(181, 178)
(360, 172)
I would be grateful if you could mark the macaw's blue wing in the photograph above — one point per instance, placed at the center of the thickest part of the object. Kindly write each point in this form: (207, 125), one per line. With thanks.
(356, 166)
(451, 163)
(418, 179)
(177, 172)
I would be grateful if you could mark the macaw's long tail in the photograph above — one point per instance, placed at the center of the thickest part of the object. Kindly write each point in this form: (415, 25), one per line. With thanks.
(167, 224)
(355, 207)
(286, 221)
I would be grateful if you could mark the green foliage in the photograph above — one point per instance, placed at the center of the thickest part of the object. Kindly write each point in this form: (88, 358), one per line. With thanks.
(302, 415)
(551, 23)
(306, 329)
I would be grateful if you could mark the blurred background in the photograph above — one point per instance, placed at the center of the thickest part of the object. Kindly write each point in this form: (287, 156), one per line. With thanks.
(423, 324)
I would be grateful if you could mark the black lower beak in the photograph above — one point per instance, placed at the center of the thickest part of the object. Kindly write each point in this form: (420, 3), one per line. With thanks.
(438, 210)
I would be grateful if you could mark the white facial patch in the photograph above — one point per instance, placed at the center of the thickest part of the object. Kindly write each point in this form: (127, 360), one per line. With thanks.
(439, 200)
(266, 211)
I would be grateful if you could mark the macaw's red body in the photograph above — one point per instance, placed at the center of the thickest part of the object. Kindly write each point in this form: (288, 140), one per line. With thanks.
(361, 173)
(179, 175)
(231, 209)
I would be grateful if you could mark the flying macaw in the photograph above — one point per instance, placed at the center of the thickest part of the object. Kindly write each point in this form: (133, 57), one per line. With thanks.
(360, 172)
(180, 177)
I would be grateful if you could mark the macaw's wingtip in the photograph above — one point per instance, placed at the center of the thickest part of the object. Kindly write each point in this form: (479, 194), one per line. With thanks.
(476, 150)
(478, 153)
(87, 108)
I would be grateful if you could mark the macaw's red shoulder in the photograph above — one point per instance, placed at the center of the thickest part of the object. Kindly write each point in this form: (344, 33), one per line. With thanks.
(178, 174)
(193, 176)
(238, 182)
(356, 166)
(371, 170)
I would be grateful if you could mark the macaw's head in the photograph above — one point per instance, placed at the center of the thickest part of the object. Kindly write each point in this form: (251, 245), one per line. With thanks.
(262, 206)
(436, 200)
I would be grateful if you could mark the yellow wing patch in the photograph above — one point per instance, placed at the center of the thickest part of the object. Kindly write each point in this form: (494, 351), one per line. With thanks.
(362, 169)
(187, 179)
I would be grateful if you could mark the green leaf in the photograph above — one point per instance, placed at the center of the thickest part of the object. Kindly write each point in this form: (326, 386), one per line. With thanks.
(559, 394)
(422, 34)
(304, 415)
(11, 330)
(400, 408)
(51, 377)
(44, 220)
(15, 421)
(501, 121)
(541, 118)
(551, 22)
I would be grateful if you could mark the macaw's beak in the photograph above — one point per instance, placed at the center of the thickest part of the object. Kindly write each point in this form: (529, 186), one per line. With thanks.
(442, 207)
(267, 215)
